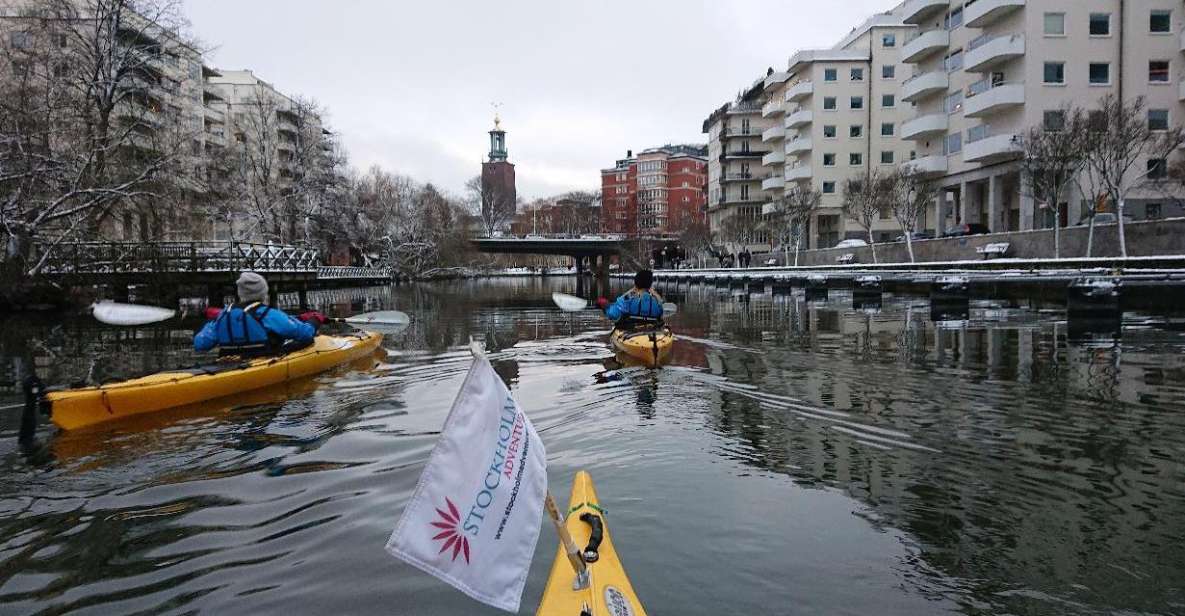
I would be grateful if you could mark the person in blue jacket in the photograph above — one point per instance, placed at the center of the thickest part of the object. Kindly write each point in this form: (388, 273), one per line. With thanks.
(251, 328)
(640, 305)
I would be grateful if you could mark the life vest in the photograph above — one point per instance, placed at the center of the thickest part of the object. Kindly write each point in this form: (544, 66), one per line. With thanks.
(241, 331)
(642, 308)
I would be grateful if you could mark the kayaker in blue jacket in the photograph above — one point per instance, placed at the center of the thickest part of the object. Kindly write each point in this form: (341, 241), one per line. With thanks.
(641, 305)
(252, 328)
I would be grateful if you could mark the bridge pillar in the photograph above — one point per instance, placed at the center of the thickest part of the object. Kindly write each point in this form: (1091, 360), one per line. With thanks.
(273, 293)
(214, 296)
(580, 287)
(603, 274)
(119, 292)
(303, 293)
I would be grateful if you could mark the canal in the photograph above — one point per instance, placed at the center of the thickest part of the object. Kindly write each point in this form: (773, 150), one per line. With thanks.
(795, 458)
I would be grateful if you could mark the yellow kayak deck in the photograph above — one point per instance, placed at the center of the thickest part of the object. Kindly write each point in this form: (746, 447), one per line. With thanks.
(609, 592)
(649, 347)
(79, 408)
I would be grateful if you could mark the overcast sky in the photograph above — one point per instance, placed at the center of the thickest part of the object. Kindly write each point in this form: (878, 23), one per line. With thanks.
(409, 85)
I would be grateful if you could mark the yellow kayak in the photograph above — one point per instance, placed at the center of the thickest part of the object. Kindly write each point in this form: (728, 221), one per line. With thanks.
(650, 347)
(78, 408)
(609, 592)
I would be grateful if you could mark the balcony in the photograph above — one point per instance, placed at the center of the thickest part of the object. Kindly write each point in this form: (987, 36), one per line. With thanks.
(925, 45)
(986, 52)
(773, 109)
(802, 172)
(917, 11)
(214, 115)
(984, 13)
(925, 127)
(744, 107)
(774, 133)
(990, 149)
(773, 158)
(798, 145)
(775, 78)
(994, 100)
(773, 182)
(1181, 93)
(216, 139)
(799, 118)
(741, 176)
(743, 154)
(744, 132)
(920, 87)
(800, 91)
(1182, 40)
(926, 165)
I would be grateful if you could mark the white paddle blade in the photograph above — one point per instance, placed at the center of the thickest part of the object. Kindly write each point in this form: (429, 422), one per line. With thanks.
(113, 313)
(669, 308)
(569, 303)
(384, 317)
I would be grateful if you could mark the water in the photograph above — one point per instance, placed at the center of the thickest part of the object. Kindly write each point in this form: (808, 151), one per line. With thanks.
(795, 458)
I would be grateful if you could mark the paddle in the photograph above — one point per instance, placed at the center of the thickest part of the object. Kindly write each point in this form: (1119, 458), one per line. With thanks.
(114, 313)
(571, 303)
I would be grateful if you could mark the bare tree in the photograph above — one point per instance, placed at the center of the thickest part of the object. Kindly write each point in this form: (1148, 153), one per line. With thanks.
(864, 200)
(909, 192)
(491, 203)
(1118, 138)
(800, 202)
(84, 126)
(1052, 156)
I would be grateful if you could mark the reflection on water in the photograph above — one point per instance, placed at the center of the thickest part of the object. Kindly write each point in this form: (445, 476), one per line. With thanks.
(795, 457)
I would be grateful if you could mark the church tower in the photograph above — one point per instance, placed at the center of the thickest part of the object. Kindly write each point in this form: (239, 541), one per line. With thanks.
(498, 192)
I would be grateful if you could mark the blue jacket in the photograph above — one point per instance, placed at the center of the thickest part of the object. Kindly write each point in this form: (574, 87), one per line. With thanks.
(636, 305)
(255, 329)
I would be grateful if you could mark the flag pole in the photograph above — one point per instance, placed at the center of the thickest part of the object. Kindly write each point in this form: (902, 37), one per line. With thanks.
(568, 544)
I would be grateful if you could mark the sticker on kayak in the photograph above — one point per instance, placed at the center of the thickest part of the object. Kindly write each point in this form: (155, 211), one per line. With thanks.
(617, 603)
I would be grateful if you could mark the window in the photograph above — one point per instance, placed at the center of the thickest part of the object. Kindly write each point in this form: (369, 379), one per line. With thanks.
(954, 143)
(888, 101)
(953, 103)
(829, 132)
(1160, 22)
(828, 103)
(856, 131)
(830, 74)
(855, 159)
(887, 129)
(1158, 119)
(887, 158)
(1100, 74)
(1152, 211)
(1100, 24)
(828, 160)
(1158, 169)
(858, 101)
(1055, 24)
(889, 40)
(1054, 121)
(63, 41)
(953, 62)
(954, 19)
(857, 74)
(20, 40)
(1158, 71)
(1055, 73)
(829, 188)
(889, 71)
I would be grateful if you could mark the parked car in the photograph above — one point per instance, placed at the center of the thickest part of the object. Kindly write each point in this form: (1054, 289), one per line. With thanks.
(852, 243)
(916, 235)
(966, 229)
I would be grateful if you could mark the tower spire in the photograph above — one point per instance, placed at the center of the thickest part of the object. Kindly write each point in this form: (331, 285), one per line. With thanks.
(497, 138)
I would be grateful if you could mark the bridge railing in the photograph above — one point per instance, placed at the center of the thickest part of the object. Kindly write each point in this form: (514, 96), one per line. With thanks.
(177, 257)
(331, 272)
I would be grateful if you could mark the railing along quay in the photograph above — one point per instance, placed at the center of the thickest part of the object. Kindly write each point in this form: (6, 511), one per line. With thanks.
(92, 258)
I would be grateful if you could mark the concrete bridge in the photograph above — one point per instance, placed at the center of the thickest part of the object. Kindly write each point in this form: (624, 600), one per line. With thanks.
(593, 251)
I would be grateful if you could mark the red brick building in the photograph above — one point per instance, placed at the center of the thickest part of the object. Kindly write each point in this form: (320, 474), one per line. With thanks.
(499, 196)
(661, 191)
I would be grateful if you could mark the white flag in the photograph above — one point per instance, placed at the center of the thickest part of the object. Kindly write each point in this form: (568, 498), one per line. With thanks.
(474, 518)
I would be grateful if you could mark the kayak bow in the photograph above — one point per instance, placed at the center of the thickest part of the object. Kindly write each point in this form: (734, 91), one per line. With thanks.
(609, 592)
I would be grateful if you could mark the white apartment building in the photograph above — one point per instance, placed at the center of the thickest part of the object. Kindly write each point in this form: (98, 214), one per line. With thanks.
(840, 113)
(985, 71)
(735, 170)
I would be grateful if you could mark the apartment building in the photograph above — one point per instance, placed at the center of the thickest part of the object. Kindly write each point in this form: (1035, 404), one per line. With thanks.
(661, 191)
(735, 170)
(842, 112)
(985, 71)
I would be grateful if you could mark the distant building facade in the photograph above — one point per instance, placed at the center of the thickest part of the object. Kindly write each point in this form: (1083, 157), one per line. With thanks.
(661, 191)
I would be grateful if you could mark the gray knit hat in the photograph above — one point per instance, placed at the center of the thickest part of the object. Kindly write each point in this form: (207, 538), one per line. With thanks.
(252, 287)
